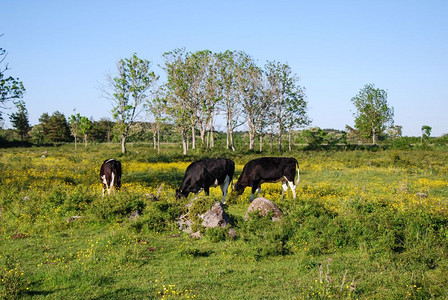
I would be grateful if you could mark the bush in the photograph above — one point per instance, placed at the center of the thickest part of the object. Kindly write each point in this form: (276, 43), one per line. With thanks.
(13, 283)
(116, 206)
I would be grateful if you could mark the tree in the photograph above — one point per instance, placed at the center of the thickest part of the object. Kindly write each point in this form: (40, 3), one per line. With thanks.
(128, 91)
(156, 107)
(10, 88)
(55, 127)
(102, 130)
(288, 103)
(74, 127)
(373, 114)
(226, 68)
(177, 97)
(84, 127)
(248, 79)
(19, 120)
(395, 132)
(426, 133)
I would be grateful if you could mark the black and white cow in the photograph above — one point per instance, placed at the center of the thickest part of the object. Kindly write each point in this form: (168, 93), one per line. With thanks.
(110, 175)
(203, 174)
(268, 169)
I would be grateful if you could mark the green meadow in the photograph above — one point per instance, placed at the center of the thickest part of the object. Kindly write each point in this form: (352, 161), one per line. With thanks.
(365, 225)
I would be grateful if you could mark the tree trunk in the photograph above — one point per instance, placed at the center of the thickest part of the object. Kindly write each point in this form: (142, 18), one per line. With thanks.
(232, 142)
(158, 141)
(193, 138)
(251, 135)
(154, 140)
(203, 132)
(76, 145)
(261, 142)
(85, 140)
(184, 142)
(212, 138)
(289, 140)
(374, 136)
(280, 138)
(123, 143)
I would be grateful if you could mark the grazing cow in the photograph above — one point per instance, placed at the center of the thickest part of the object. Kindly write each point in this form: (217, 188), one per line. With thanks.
(110, 175)
(202, 174)
(268, 169)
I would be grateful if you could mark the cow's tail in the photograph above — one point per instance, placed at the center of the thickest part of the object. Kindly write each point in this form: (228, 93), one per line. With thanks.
(298, 174)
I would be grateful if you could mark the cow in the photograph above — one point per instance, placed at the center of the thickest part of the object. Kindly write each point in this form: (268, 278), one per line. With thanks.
(268, 169)
(203, 174)
(110, 175)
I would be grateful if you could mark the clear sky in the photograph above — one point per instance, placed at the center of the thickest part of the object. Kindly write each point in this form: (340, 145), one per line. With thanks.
(61, 50)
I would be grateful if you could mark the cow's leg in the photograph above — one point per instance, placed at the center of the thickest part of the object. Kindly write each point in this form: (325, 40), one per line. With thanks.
(293, 188)
(105, 187)
(256, 187)
(112, 183)
(224, 187)
(207, 190)
(284, 187)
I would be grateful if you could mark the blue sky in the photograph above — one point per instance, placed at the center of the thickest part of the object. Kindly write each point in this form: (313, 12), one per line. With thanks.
(61, 50)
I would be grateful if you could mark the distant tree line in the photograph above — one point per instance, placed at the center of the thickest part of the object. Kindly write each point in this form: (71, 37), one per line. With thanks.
(201, 87)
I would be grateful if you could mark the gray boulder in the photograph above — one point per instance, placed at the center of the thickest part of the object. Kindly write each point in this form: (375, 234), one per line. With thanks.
(264, 206)
(214, 217)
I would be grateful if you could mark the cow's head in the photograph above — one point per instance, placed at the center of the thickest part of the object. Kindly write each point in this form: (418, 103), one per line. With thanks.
(180, 194)
(238, 189)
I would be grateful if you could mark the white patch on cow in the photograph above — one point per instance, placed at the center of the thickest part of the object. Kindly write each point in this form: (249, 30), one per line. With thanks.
(284, 186)
(293, 188)
(215, 183)
(291, 184)
(105, 183)
(112, 183)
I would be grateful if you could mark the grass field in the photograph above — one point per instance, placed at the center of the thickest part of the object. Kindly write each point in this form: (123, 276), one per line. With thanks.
(367, 225)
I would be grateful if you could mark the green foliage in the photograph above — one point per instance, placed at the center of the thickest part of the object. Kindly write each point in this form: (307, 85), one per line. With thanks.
(199, 206)
(13, 282)
(20, 121)
(426, 133)
(357, 229)
(55, 127)
(116, 206)
(129, 91)
(10, 88)
(157, 216)
(373, 112)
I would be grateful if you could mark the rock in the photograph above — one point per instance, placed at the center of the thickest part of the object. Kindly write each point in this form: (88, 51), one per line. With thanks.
(184, 223)
(264, 206)
(232, 233)
(152, 197)
(135, 214)
(73, 218)
(25, 198)
(196, 235)
(421, 195)
(214, 217)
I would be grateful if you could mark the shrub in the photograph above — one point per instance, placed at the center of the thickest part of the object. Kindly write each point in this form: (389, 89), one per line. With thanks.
(13, 283)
